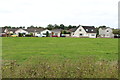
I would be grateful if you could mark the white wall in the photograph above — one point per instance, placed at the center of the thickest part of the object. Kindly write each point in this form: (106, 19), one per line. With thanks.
(85, 34)
(78, 32)
(44, 32)
(104, 33)
(92, 35)
(58, 33)
(21, 31)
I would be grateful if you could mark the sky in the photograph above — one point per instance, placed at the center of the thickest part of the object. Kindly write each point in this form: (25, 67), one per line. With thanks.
(68, 12)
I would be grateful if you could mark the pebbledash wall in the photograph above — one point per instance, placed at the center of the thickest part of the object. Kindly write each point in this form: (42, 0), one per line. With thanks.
(0, 54)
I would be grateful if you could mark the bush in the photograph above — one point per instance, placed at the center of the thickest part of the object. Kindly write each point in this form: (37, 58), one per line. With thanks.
(20, 35)
(28, 35)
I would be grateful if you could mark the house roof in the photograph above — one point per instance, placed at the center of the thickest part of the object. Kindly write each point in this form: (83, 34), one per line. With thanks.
(73, 29)
(34, 29)
(90, 29)
(106, 28)
(9, 29)
(12, 29)
(56, 30)
(2, 29)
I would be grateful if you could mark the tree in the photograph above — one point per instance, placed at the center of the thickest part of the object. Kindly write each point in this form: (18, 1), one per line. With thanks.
(102, 26)
(62, 26)
(32, 26)
(23, 26)
(50, 26)
(56, 26)
(20, 34)
(8, 27)
(69, 27)
(97, 29)
(116, 31)
(47, 34)
(20, 27)
(74, 26)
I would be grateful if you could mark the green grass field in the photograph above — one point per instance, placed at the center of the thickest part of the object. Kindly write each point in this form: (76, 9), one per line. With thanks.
(59, 57)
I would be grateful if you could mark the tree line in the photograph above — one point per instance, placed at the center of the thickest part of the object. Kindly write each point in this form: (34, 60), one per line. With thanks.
(50, 27)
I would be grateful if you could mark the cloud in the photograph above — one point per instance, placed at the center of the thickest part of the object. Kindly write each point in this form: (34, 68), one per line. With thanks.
(44, 12)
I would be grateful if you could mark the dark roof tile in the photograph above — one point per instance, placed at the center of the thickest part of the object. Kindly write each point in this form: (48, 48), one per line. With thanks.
(90, 29)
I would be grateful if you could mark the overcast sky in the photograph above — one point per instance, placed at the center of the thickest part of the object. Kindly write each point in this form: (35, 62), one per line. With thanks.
(67, 12)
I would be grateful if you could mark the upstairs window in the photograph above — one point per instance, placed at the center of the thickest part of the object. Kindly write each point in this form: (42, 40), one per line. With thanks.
(80, 29)
(92, 30)
(86, 29)
(107, 30)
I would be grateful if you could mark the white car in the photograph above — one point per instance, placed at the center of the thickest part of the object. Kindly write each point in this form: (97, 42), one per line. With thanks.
(38, 35)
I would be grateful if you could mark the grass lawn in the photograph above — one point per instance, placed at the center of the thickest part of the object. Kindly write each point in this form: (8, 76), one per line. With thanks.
(59, 57)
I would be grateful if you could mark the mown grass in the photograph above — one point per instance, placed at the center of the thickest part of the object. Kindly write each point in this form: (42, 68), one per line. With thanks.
(60, 58)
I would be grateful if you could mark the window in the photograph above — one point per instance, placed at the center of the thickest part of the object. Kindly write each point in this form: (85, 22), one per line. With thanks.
(80, 30)
(92, 35)
(44, 33)
(92, 30)
(81, 34)
(73, 33)
(107, 30)
(86, 29)
(56, 33)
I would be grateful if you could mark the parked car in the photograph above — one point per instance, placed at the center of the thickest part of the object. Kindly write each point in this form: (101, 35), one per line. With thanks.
(14, 35)
(38, 35)
(54, 36)
(117, 36)
(62, 35)
(43, 35)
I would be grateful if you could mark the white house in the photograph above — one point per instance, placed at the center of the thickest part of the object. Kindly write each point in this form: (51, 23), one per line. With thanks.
(106, 32)
(21, 31)
(56, 32)
(43, 33)
(84, 31)
(35, 31)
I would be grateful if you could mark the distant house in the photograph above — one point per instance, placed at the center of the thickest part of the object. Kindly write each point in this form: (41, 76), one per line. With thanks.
(36, 31)
(8, 31)
(3, 32)
(56, 32)
(43, 33)
(22, 31)
(84, 31)
(106, 32)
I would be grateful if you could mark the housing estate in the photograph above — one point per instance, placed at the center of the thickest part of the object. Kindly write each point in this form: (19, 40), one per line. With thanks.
(80, 31)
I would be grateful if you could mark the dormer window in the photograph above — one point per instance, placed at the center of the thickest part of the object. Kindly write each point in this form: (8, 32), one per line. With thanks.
(86, 29)
(107, 30)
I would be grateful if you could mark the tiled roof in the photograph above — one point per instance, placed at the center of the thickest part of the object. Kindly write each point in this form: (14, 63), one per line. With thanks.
(34, 29)
(73, 29)
(56, 30)
(90, 29)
